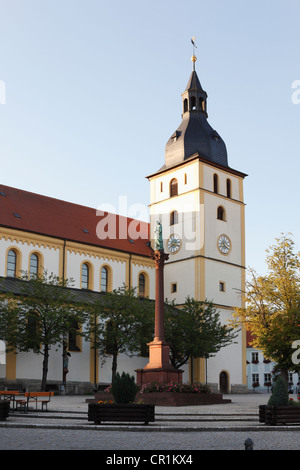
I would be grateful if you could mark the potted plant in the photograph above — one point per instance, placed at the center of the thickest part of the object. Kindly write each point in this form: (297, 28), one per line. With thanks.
(280, 409)
(4, 409)
(124, 390)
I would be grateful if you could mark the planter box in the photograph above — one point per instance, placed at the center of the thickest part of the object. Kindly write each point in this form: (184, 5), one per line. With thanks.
(272, 415)
(4, 410)
(99, 412)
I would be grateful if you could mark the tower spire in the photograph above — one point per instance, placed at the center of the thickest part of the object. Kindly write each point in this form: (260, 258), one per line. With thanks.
(195, 135)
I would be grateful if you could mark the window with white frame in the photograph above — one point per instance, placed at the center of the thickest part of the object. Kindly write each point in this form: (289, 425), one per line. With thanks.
(254, 358)
(267, 378)
(255, 379)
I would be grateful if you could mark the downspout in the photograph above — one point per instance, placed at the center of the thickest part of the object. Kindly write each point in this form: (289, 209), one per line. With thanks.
(129, 281)
(64, 255)
(64, 354)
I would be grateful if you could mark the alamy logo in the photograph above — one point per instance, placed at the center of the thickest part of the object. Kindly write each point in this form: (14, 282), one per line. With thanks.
(296, 354)
(2, 352)
(296, 93)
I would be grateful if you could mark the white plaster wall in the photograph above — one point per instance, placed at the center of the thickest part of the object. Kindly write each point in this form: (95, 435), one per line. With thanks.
(229, 359)
(208, 173)
(192, 177)
(136, 269)
(231, 275)
(130, 365)
(190, 222)
(214, 228)
(183, 274)
(29, 365)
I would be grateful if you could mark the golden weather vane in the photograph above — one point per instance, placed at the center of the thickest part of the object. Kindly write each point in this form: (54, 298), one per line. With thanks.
(194, 58)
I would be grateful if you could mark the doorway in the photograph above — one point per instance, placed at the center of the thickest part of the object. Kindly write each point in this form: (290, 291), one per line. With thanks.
(223, 382)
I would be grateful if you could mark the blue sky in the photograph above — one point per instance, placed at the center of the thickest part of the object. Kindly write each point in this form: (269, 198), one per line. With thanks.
(93, 92)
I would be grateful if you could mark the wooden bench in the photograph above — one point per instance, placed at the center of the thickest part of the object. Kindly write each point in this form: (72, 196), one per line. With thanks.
(34, 397)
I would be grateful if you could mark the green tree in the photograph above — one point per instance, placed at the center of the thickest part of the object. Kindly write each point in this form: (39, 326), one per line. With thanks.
(117, 324)
(195, 330)
(39, 317)
(272, 312)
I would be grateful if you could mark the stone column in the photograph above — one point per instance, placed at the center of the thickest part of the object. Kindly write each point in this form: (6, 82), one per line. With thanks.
(159, 258)
(159, 368)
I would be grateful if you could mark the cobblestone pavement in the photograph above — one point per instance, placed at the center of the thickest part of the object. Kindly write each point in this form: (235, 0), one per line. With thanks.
(66, 439)
(210, 427)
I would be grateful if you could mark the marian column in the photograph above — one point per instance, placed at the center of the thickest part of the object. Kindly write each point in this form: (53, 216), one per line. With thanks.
(159, 368)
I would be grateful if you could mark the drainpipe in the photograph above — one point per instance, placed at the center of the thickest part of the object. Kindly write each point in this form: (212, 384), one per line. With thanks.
(64, 255)
(129, 281)
(64, 380)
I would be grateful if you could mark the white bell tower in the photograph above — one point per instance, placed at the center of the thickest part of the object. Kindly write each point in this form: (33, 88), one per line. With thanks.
(199, 201)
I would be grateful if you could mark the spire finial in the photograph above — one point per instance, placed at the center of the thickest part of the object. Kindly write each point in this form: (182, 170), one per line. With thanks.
(194, 58)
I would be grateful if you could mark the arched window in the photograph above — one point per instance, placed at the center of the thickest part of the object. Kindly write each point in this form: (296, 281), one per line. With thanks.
(73, 337)
(85, 276)
(185, 105)
(228, 187)
(142, 285)
(173, 218)
(193, 102)
(11, 263)
(34, 265)
(216, 184)
(104, 279)
(221, 213)
(173, 187)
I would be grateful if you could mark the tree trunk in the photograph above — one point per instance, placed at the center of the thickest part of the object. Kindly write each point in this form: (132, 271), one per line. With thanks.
(114, 365)
(45, 369)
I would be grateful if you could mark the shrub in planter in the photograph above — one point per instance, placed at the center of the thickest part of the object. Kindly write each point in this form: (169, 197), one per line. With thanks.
(279, 409)
(124, 388)
(280, 394)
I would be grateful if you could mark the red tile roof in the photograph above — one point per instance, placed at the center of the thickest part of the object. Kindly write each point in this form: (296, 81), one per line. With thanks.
(30, 212)
(249, 339)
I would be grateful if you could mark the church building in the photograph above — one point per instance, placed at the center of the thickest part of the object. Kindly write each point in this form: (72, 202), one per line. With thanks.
(198, 199)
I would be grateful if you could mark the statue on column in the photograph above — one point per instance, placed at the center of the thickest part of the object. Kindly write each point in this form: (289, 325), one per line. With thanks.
(158, 240)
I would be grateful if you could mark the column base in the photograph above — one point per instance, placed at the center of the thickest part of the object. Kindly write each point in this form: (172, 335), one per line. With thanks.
(159, 368)
(161, 376)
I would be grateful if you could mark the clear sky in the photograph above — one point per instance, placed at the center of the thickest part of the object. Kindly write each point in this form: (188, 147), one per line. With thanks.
(93, 92)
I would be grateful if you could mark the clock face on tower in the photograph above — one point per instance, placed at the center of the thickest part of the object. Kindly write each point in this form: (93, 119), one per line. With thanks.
(224, 244)
(174, 243)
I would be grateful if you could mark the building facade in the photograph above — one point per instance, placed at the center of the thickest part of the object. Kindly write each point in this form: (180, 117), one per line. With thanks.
(197, 197)
(260, 372)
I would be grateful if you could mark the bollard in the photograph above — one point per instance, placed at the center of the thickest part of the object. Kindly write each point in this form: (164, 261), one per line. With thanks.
(248, 444)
